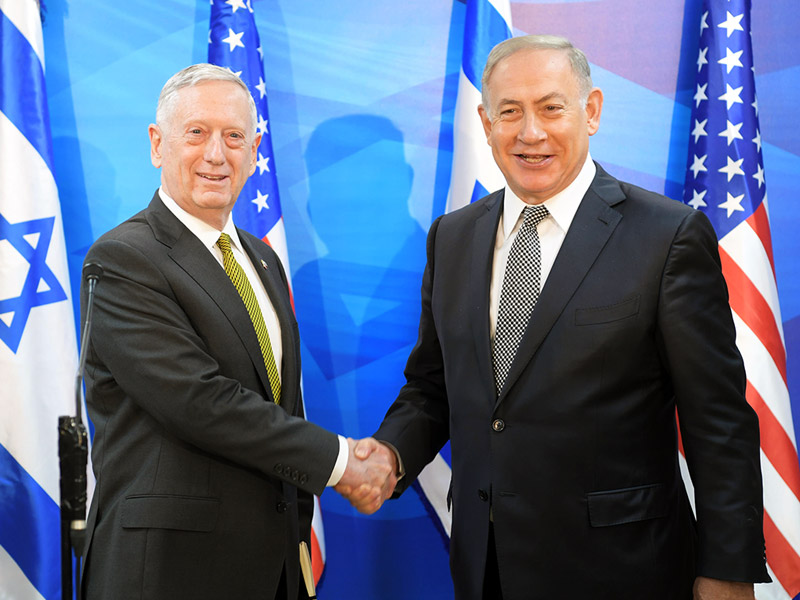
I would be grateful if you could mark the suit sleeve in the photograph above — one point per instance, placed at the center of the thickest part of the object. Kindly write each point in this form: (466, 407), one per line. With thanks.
(417, 424)
(145, 349)
(719, 429)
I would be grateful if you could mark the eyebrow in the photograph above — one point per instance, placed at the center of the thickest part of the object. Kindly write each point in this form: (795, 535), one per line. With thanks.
(542, 100)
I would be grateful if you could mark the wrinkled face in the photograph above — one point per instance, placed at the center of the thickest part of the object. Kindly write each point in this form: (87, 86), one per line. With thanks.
(536, 126)
(206, 149)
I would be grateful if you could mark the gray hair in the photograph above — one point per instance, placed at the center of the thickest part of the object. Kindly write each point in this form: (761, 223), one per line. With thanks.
(577, 59)
(193, 75)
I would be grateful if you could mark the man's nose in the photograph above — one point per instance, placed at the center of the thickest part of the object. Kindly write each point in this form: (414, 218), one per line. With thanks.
(531, 130)
(214, 150)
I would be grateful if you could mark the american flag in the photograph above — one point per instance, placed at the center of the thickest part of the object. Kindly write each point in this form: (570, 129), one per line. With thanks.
(233, 42)
(474, 174)
(38, 350)
(725, 179)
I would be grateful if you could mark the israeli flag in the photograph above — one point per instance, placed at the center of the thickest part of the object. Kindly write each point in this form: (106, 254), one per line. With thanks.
(475, 174)
(38, 355)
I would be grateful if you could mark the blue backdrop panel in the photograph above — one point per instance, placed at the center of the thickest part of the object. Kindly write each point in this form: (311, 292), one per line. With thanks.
(361, 97)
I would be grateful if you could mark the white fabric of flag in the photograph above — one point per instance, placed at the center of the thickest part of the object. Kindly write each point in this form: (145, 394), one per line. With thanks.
(38, 353)
(234, 43)
(725, 179)
(474, 173)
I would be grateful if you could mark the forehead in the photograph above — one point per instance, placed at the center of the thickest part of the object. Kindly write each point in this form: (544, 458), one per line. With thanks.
(218, 100)
(533, 71)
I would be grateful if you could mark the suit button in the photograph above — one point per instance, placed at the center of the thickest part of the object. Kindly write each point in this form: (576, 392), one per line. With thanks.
(303, 478)
(279, 468)
(483, 495)
(282, 507)
(498, 425)
(295, 475)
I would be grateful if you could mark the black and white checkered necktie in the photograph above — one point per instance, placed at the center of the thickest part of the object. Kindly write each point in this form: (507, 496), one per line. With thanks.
(521, 286)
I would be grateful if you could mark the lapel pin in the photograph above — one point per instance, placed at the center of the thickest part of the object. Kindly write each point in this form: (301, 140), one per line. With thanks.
(263, 264)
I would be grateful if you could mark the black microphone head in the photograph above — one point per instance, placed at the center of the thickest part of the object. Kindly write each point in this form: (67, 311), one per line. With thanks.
(92, 270)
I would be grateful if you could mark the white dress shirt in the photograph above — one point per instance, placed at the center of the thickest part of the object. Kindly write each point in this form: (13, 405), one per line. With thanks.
(208, 236)
(552, 231)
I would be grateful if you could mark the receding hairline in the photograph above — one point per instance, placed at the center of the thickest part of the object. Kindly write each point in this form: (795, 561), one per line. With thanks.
(505, 49)
(195, 75)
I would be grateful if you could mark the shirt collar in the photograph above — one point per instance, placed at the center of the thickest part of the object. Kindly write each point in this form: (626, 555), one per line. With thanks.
(562, 206)
(207, 234)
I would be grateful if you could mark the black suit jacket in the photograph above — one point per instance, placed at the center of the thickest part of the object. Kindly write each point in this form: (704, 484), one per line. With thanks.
(578, 456)
(203, 483)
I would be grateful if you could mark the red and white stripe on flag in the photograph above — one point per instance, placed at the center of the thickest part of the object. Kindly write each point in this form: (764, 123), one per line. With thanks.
(746, 254)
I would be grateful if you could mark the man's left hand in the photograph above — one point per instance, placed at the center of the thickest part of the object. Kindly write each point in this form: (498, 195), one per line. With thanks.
(706, 588)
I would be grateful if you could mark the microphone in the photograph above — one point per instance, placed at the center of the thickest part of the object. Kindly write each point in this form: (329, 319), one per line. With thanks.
(73, 441)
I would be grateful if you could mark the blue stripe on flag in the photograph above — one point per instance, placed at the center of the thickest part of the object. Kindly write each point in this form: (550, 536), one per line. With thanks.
(31, 531)
(484, 28)
(22, 93)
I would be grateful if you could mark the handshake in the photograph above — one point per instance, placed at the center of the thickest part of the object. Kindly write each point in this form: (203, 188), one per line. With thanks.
(370, 476)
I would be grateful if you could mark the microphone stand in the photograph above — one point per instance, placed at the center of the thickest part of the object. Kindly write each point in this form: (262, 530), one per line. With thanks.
(73, 447)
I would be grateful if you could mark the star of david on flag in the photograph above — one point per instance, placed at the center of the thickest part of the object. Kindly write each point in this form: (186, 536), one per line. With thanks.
(725, 179)
(40, 286)
(38, 350)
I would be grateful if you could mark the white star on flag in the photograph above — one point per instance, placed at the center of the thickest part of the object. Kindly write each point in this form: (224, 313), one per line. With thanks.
(731, 132)
(759, 176)
(236, 4)
(757, 140)
(262, 163)
(701, 59)
(733, 203)
(732, 24)
(261, 87)
(261, 201)
(697, 199)
(700, 95)
(697, 165)
(234, 40)
(731, 59)
(261, 125)
(734, 167)
(699, 129)
(731, 96)
(703, 22)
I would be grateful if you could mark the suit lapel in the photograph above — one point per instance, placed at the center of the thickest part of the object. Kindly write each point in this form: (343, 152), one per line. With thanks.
(589, 232)
(484, 237)
(190, 254)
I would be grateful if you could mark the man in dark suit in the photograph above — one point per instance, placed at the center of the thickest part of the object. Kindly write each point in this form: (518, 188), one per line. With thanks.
(205, 465)
(564, 320)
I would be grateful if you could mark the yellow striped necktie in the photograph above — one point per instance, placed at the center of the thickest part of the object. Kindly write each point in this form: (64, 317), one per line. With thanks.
(242, 285)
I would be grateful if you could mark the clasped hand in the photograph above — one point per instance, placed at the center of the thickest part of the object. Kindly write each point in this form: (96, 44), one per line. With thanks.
(370, 476)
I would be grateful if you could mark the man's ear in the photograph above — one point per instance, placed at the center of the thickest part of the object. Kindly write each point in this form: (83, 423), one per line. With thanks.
(254, 154)
(594, 106)
(156, 138)
(485, 121)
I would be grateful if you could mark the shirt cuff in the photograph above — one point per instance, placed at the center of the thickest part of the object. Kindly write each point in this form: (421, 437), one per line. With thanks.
(341, 463)
(401, 470)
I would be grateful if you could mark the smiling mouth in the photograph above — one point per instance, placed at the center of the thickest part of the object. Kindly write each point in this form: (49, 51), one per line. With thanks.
(213, 177)
(533, 159)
